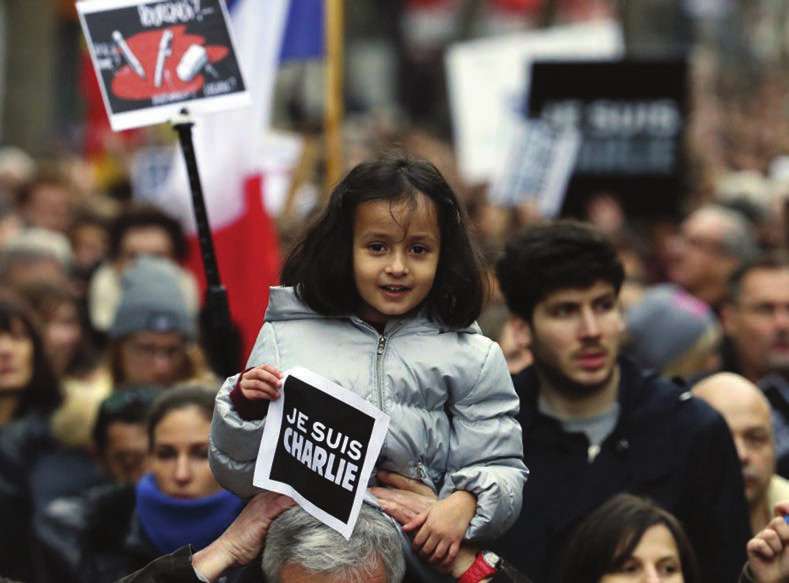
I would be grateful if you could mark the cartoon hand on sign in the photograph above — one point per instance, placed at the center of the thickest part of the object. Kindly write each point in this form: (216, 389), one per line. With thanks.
(163, 61)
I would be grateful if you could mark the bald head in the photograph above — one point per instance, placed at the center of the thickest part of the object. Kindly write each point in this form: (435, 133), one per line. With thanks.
(731, 392)
(747, 412)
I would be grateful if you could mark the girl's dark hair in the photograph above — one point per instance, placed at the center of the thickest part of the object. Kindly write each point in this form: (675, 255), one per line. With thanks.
(320, 265)
(605, 540)
(178, 398)
(42, 395)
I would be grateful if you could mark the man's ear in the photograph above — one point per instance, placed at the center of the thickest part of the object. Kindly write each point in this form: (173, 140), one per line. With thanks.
(521, 331)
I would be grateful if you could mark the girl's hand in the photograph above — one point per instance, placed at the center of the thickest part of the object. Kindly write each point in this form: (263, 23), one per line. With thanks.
(443, 526)
(261, 382)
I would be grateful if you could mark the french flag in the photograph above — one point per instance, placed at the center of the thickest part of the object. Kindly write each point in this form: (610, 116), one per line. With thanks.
(228, 146)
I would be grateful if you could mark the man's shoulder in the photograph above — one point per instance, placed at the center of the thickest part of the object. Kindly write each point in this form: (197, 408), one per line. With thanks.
(646, 394)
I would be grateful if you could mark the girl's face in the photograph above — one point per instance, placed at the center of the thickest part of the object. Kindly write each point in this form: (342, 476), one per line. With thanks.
(16, 357)
(396, 248)
(179, 455)
(654, 560)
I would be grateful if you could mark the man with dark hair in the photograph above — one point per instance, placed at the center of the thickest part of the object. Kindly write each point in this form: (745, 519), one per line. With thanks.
(756, 322)
(120, 443)
(594, 424)
(146, 229)
(47, 200)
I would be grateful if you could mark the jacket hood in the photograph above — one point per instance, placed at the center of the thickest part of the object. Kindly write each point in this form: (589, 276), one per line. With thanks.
(283, 304)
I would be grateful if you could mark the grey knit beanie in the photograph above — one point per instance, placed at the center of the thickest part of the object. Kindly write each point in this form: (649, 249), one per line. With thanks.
(152, 299)
(664, 323)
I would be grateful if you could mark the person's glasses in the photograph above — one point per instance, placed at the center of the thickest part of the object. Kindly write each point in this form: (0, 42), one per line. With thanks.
(148, 351)
(705, 244)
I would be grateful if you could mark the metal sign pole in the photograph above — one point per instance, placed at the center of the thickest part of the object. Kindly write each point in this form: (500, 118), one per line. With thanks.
(219, 334)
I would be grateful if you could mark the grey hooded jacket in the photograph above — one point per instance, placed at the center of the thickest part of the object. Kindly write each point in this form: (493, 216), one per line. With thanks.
(448, 393)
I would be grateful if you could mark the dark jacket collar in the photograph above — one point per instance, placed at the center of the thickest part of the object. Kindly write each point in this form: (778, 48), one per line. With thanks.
(638, 395)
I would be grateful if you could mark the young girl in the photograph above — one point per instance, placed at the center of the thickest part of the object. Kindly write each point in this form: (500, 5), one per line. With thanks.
(384, 290)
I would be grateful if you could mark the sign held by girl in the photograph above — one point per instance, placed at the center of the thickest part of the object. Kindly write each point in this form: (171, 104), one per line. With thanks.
(319, 447)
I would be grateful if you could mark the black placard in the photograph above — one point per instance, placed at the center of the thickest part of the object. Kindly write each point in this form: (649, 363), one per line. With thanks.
(631, 115)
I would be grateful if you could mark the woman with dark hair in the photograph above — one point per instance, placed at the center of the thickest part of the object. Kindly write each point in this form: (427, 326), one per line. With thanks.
(64, 327)
(67, 341)
(28, 385)
(630, 539)
(33, 455)
(29, 394)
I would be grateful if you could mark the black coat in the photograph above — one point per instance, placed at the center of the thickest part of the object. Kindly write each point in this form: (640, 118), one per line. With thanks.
(667, 445)
(35, 468)
(93, 538)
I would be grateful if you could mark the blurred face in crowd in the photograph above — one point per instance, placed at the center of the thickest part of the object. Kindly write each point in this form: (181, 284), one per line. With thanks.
(179, 454)
(153, 358)
(16, 357)
(89, 244)
(747, 413)
(41, 268)
(49, 207)
(151, 240)
(697, 260)
(574, 337)
(125, 457)
(62, 335)
(758, 322)
(654, 560)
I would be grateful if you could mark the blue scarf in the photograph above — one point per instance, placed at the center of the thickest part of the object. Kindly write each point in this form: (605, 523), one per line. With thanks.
(171, 523)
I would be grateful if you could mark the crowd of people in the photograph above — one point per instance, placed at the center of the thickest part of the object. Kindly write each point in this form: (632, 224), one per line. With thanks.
(594, 400)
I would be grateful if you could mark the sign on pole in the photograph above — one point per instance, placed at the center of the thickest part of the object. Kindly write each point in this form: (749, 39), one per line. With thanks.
(154, 58)
(319, 446)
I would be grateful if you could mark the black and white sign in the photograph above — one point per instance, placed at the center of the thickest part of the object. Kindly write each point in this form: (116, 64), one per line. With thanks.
(154, 58)
(631, 115)
(319, 447)
(540, 161)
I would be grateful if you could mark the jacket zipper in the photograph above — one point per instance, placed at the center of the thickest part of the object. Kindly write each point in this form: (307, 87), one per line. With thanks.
(378, 374)
(379, 381)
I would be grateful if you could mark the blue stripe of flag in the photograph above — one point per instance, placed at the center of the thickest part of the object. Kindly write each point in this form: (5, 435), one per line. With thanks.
(304, 31)
(303, 37)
